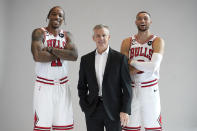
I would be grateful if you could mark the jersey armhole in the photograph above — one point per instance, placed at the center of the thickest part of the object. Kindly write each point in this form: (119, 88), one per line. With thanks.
(130, 43)
(44, 30)
(65, 36)
(154, 41)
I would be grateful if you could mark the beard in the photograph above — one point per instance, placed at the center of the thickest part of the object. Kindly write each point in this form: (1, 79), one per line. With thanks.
(143, 29)
(55, 25)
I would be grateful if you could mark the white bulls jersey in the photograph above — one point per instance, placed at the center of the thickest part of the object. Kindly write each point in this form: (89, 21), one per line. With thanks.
(56, 69)
(143, 52)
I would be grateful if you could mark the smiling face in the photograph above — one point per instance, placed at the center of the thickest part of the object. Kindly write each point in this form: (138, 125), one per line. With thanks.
(56, 17)
(143, 21)
(101, 37)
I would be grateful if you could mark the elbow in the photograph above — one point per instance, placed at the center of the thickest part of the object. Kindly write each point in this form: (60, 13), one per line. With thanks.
(74, 57)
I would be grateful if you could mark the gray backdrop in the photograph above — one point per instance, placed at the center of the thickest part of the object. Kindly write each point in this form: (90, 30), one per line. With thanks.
(173, 20)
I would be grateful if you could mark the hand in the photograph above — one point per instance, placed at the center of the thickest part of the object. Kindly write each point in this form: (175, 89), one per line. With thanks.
(133, 70)
(45, 49)
(124, 118)
(68, 46)
(129, 61)
(50, 49)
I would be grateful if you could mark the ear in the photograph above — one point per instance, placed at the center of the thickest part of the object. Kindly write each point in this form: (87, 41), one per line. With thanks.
(48, 15)
(93, 38)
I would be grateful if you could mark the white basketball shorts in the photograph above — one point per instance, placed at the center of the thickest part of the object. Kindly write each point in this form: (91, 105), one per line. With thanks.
(145, 107)
(52, 105)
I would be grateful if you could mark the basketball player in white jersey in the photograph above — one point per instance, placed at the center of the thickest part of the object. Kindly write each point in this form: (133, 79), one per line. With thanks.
(52, 48)
(145, 52)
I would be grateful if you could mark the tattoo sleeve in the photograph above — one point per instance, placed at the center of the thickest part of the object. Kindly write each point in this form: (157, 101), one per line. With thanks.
(69, 52)
(38, 51)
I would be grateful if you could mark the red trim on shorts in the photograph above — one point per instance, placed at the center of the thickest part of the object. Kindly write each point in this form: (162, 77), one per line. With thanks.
(64, 82)
(148, 81)
(51, 82)
(63, 78)
(149, 85)
(42, 127)
(45, 82)
(68, 127)
(36, 119)
(64, 126)
(44, 78)
(126, 128)
(160, 120)
(155, 128)
(39, 128)
(146, 84)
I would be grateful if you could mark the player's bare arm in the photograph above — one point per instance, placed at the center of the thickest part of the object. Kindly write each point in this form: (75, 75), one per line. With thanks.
(158, 50)
(69, 52)
(158, 45)
(40, 54)
(125, 50)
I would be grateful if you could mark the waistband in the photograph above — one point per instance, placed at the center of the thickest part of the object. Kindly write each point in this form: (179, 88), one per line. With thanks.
(145, 84)
(52, 82)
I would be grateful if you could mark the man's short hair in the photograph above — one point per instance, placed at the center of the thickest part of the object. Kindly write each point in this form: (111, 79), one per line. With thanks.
(143, 12)
(53, 9)
(96, 27)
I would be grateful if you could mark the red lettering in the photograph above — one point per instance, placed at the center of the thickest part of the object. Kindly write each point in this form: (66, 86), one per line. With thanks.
(145, 52)
(56, 62)
(131, 53)
(137, 50)
(150, 53)
(64, 44)
(54, 42)
(58, 44)
(49, 43)
(141, 49)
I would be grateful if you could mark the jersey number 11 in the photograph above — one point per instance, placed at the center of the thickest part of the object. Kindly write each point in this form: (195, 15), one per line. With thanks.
(56, 62)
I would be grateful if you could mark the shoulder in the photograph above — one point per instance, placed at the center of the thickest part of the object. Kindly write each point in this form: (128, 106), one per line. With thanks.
(37, 34)
(118, 58)
(126, 41)
(38, 31)
(116, 54)
(159, 38)
(69, 37)
(158, 45)
(158, 41)
(67, 33)
(86, 56)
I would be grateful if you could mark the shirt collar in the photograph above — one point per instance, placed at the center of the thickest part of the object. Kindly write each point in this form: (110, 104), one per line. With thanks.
(105, 52)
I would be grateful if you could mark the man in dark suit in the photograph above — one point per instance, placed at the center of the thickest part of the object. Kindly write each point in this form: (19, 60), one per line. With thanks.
(104, 85)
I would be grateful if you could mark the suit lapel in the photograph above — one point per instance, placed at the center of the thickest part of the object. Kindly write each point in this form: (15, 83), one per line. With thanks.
(92, 67)
(107, 66)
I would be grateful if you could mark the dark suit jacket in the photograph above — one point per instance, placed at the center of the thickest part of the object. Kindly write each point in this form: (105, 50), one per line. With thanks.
(116, 86)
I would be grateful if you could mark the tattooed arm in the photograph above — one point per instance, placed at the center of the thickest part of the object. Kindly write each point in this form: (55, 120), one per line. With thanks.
(69, 52)
(40, 54)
